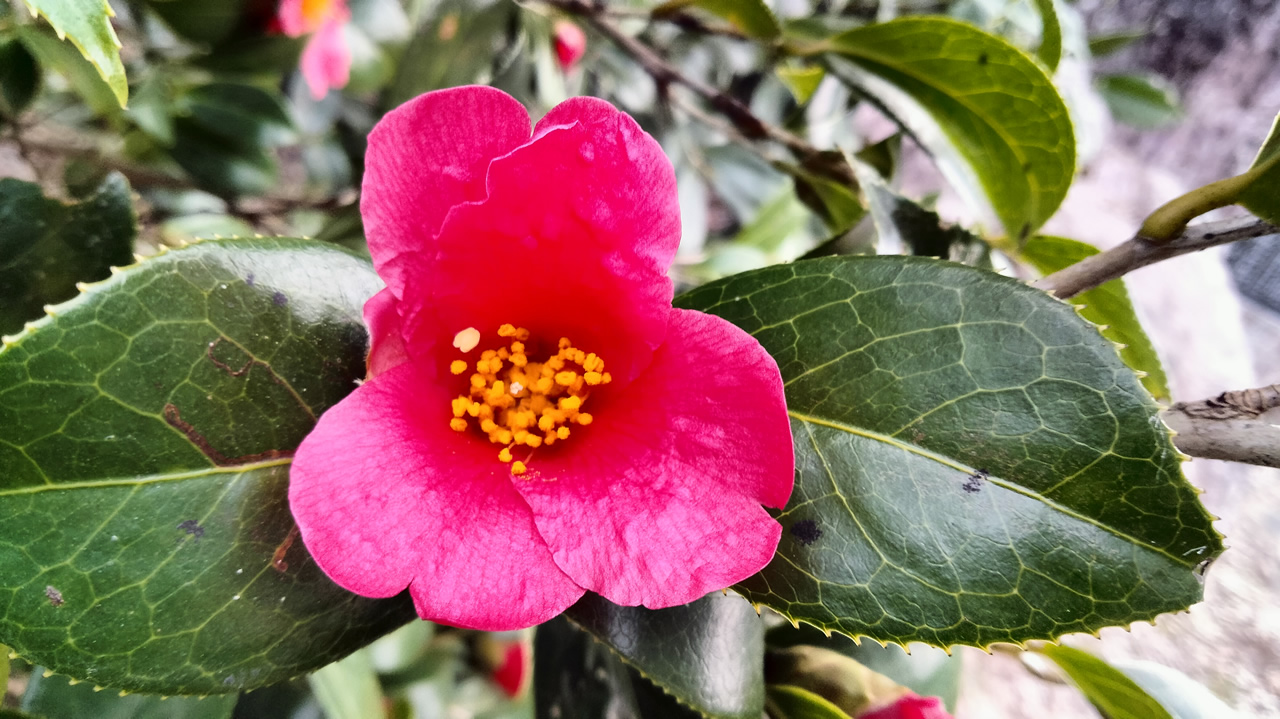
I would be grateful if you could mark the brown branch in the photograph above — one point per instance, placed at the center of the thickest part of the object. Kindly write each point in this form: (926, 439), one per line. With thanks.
(1229, 427)
(1138, 252)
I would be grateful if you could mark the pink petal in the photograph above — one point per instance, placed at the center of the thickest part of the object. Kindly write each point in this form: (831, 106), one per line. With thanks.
(657, 502)
(293, 21)
(387, 496)
(574, 239)
(326, 60)
(386, 347)
(910, 707)
(570, 42)
(426, 156)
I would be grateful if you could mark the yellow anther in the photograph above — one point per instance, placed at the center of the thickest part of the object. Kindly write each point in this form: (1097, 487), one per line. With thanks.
(474, 409)
(477, 381)
(583, 419)
(606, 378)
(570, 403)
(579, 356)
(507, 331)
(517, 347)
(593, 378)
(592, 363)
(518, 468)
(505, 454)
(458, 424)
(519, 360)
(546, 423)
(522, 334)
(521, 436)
(458, 367)
(503, 353)
(460, 406)
(566, 378)
(533, 440)
(562, 433)
(487, 426)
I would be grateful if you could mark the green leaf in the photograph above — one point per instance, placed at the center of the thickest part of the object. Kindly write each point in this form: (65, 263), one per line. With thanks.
(802, 81)
(87, 24)
(1050, 50)
(1179, 694)
(577, 677)
(456, 47)
(752, 17)
(1113, 693)
(1144, 102)
(901, 222)
(349, 689)
(788, 702)
(53, 54)
(847, 684)
(246, 117)
(1262, 196)
(145, 428)
(47, 246)
(54, 697)
(209, 21)
(974, 463)
(707, 654)
(218, 165)
(1108, 43)
(1108, 305)
(19, 78)
(987, 112)
(4, 665)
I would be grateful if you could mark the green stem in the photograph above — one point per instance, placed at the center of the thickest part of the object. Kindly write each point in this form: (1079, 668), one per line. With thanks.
(1171, 218)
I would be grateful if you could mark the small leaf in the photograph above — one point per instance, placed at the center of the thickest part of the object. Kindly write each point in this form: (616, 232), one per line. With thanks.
(19, 78)
(1179, 694)
(802, 81)
(53, 697)
(87, 24)
(1262, 196)
(146, 542)
(1143, 102)
(847, 684)
(218, 165)
(1050, 50)
(903, 223)
(788, 702)
(974, 463)
(752, 17)
(1108, 43)
(1113, 693)
(349, 689)
(47, 246)
(707, 654)
(987, 112)
(1108, 305)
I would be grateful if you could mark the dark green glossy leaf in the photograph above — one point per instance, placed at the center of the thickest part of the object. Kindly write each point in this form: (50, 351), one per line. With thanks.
(975, 464)
(58, 56)
(87, 25)
(206, 21)
(1108, 305)
(456, 47)
(577, 677)
(54, 697)
(1050, 50)
(1108, 43)
(145, 427)
(218, 165)
(19, 78)
(47, 246)
(987, 112)
(708, 654)
(903, 223)
(1144, 102)
(1113, 693)
(267, 55)
(788, 702)
(752, 17)
(1262, 196)
(244, 116)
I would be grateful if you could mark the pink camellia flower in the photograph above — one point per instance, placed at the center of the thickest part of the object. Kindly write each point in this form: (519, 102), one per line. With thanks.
(910, 706)
(538, 420)
(571, 43)
(326, 59)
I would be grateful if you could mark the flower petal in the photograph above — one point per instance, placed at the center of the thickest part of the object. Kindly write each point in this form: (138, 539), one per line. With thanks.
(426, 156)
(657, 502)
(386, 346)
(326, 60)
(574, 239)
(387, 496)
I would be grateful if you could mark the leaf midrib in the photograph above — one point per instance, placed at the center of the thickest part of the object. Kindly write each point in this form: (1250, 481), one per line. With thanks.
(1005, 484)
(147, 479)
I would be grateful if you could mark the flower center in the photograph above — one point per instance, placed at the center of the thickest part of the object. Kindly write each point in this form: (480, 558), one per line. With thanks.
(518, 403)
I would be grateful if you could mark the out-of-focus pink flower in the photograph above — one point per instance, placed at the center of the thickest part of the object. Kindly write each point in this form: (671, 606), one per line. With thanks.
(515, 672)
(910, 706)
(326, 59)
(538, 419)
(571, 43)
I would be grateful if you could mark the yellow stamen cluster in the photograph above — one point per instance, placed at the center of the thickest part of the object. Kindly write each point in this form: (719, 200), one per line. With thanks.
(517, 402)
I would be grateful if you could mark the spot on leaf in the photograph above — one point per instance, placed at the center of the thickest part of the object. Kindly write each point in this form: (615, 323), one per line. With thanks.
(806, 531)
(193, 528)
(55, 597)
